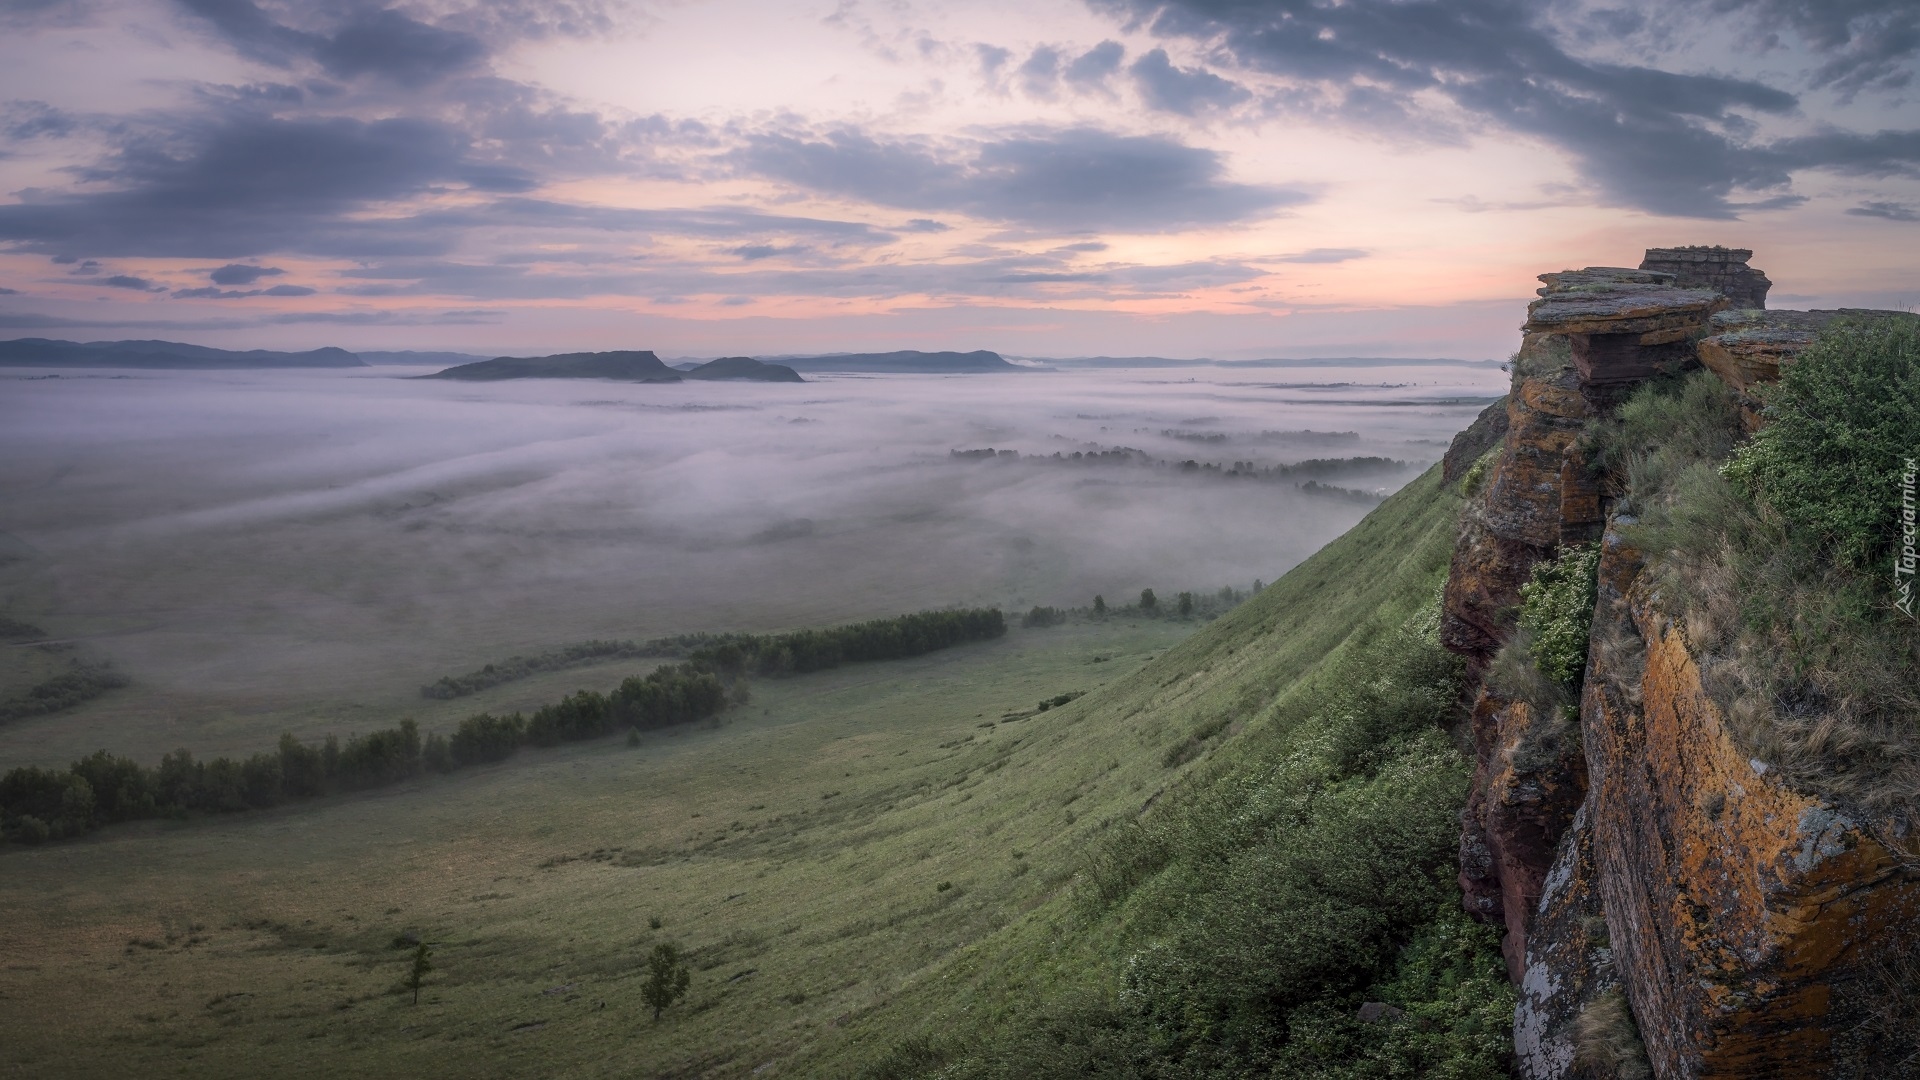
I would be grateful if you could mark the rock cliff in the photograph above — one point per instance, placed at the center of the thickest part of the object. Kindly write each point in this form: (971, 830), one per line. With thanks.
(1637, 848)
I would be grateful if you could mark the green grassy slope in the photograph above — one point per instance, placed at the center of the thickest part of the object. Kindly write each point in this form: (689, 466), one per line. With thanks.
(1234, 697)
(797, 852)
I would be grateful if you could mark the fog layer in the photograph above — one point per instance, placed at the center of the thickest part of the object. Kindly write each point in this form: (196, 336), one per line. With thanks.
(277, 536)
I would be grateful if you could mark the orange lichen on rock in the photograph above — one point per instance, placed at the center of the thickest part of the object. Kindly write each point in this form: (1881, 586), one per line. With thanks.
(1734, 905)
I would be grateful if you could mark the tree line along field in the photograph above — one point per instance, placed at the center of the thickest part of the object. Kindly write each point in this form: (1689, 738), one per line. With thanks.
(858, 859)
(802, 837)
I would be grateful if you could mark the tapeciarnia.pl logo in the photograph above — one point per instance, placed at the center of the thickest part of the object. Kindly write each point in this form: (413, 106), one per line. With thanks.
(1904, 561)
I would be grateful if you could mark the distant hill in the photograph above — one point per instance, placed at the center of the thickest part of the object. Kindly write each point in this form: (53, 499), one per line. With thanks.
(44, 352)
(627, 366)
(742, 367)
(421, 359)
(905, 361)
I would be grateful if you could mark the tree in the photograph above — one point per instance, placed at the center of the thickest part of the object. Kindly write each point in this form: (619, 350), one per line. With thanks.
(419, 970)
(1186, 604)
(667, 979)
(1148, 601)
(1100, 607)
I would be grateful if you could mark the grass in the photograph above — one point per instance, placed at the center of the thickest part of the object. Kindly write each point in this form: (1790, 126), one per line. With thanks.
(1818, 673)
(794, 910)
(863, 868)
(1049, 995)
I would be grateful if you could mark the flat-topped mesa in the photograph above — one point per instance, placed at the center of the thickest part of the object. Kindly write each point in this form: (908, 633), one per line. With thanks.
(1724, 270)
(1624, 326)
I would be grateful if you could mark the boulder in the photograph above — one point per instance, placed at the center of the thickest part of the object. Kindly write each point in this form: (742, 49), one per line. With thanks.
(1724, 270)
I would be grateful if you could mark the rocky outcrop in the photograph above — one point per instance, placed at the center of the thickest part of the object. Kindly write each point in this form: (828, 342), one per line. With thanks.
(1623, 326)
(1742, 915)
(1644, 852)
(1722, 270)
(1470, 445)
(1569, 960)
(1592, 336)
(1747, 348)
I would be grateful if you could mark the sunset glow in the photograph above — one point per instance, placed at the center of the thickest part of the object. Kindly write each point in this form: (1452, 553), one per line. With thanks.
(1188, 179)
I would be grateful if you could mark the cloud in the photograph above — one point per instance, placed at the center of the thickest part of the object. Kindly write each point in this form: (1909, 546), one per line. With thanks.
(242, 274)
(1059, 180)
(22, 120)
(126, 281)
(9, 292)
(1890, 211)
(392, 46)
(1040, 72)
(992, 58)
(209, 293)
(1092, 67)
(1186, 91)
(244, 185)
(752, 252)
(1670, 143)
(1323, 255)
(1868, 44)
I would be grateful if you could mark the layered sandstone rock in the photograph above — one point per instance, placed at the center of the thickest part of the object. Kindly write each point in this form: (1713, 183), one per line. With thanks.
(1743, 916)
(1745, 921)
(1723, 270)
(1623, 326)
(1747, 348)
(1592, 336)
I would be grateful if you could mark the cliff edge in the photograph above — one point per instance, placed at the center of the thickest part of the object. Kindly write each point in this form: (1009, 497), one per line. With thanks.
(1624, 827)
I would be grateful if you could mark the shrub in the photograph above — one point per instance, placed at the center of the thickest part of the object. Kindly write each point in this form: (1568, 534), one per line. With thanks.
(1818, 673)
(1840, 423)
(1557, 611)
(667, 979)
(484, 738)
(1043, 616)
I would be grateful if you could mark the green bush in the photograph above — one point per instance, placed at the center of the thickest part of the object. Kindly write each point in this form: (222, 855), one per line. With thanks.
(1817, 672)
(1557, 611)
(1264, 907)
(1841, 422)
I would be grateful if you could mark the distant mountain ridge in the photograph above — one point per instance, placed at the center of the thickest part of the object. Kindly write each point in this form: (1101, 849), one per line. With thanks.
(419, 358)
(162, 355)
(905, 361)
(635, 365)
(742, 367)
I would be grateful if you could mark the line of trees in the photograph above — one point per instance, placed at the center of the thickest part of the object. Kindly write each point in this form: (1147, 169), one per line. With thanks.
(39, 804)
(83, 682)
(771, 655)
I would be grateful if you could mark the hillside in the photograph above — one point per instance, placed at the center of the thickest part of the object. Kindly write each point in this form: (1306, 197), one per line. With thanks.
(742, 367)
(162, 355)
(626, 366)
(1304, 778)
(856, 854)
(908, 361)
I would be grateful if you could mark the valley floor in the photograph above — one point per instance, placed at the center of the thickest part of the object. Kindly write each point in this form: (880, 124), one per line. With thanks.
(818, 852)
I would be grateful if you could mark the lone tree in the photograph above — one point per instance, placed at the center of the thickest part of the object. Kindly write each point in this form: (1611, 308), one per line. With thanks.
(1186, 604)
(418, 973)
(1100, 606)
(667, 979)
(1148, 601)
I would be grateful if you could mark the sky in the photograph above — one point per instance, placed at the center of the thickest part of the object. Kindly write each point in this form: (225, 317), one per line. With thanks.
(1217, 178)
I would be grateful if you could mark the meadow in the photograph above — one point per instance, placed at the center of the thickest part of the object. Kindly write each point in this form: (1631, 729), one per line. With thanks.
(853, 860)
(798, 849)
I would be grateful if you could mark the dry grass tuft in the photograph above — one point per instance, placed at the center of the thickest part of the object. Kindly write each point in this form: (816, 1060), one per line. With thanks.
(1607, 1040)
(1818, 674)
